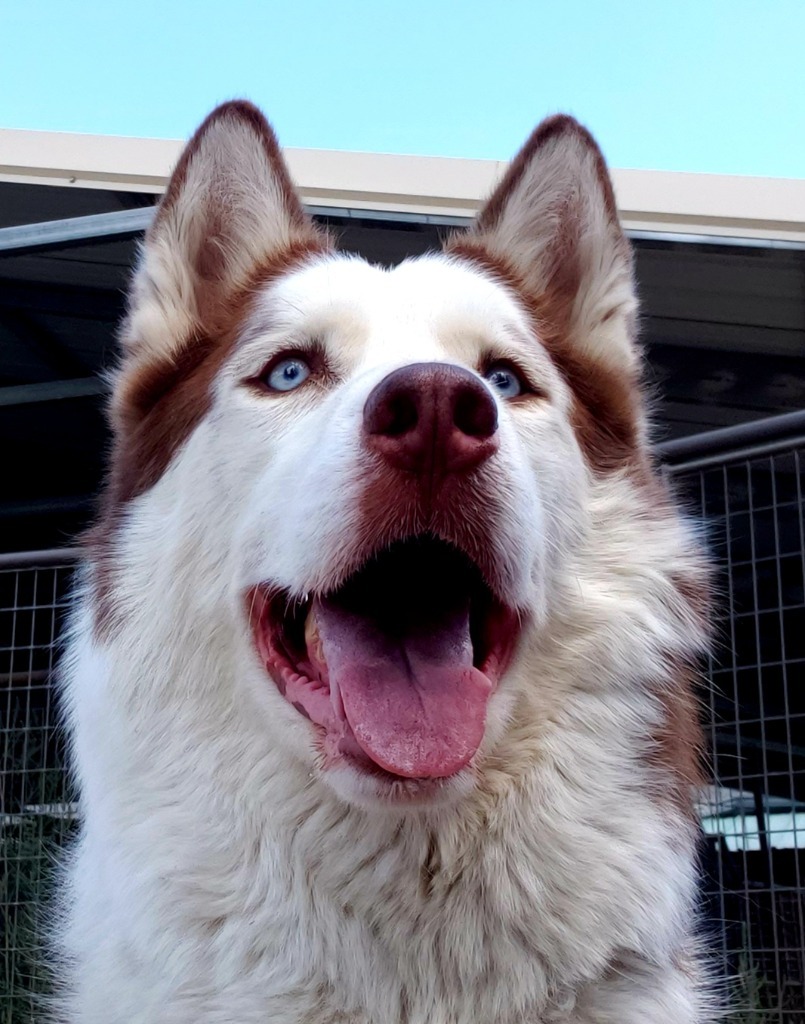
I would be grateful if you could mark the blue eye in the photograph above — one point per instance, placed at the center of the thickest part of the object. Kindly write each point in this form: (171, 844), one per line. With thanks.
(504, 380)
(288, 374)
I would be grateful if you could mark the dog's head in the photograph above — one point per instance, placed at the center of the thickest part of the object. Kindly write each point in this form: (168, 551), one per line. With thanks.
(382, 474)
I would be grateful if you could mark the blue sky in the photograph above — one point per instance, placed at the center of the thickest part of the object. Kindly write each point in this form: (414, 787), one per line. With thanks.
(697, 85)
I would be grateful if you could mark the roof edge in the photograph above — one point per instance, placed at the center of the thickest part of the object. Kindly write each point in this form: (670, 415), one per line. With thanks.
(660, 202)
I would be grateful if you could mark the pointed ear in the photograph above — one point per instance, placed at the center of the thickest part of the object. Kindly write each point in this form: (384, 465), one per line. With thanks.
(553, 224)
(230, 213)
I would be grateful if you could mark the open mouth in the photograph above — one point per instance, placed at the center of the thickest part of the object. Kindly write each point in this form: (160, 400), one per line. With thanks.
(397, 665)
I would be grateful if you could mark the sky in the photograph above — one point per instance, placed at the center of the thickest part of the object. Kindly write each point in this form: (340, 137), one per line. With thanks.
(691, 85)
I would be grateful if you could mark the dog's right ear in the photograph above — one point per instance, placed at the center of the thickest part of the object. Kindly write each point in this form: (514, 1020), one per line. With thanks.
(230, 214)
(553, 222)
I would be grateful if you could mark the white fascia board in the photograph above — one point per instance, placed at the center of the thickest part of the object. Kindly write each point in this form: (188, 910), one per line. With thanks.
(712, 204)
(87, 161)
(649, 201)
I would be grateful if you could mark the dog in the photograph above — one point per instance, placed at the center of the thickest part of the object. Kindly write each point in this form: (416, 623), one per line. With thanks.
(380, 679)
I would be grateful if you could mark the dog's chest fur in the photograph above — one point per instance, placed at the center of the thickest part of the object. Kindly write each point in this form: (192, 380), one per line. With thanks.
(510, 918)
(531, 905)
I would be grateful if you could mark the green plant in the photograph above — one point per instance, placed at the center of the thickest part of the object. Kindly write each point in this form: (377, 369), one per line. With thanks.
(750, 995)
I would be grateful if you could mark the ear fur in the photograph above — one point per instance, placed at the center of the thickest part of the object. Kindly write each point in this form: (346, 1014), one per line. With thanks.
(553, 224)
(230, 211)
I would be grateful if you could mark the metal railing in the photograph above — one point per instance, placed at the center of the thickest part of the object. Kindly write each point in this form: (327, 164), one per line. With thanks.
(746, 484)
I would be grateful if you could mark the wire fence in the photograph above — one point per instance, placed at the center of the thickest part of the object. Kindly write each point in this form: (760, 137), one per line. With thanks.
(36, 810)
(747, 485)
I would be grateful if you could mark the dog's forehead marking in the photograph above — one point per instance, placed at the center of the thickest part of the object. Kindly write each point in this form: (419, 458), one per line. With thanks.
(431, 305)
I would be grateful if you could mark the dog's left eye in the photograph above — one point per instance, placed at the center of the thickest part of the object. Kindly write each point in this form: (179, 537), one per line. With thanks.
(287, 374)
(504, 380)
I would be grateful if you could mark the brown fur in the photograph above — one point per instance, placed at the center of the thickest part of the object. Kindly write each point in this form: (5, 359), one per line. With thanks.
(606, 405)
(157, 406)
(677, 754)
(460, 511)
(158, 403)
(677, 751)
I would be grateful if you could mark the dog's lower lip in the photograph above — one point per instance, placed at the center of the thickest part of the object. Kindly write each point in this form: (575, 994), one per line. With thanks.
(395, 668)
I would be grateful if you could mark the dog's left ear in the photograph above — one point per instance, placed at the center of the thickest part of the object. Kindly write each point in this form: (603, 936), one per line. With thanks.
(230, 211)
(552, 224)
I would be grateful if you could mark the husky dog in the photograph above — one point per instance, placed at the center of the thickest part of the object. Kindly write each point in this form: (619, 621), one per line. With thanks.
(380, 676)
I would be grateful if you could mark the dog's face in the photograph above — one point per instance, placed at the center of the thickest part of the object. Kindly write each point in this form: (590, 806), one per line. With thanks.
(412, 477)
(390, 470)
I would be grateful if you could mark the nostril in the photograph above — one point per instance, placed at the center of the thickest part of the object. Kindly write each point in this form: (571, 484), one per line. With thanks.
(399, 415)
(474, 412)
(391, 412)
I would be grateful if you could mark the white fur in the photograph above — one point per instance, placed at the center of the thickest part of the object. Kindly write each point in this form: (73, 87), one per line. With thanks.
(224, 876)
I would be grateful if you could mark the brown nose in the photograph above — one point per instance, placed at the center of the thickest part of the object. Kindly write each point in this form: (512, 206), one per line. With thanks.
(431, 419)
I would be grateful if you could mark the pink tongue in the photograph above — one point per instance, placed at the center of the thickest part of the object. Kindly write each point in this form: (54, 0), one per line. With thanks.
(411, 695)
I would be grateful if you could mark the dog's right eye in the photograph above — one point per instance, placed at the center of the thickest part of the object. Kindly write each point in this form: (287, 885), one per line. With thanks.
(286, 374)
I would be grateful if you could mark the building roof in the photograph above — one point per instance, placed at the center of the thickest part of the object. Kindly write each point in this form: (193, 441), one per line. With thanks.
(730, 206)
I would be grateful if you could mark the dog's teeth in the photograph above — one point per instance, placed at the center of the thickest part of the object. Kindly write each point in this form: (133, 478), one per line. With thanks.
(311, 630)
(315, 650)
